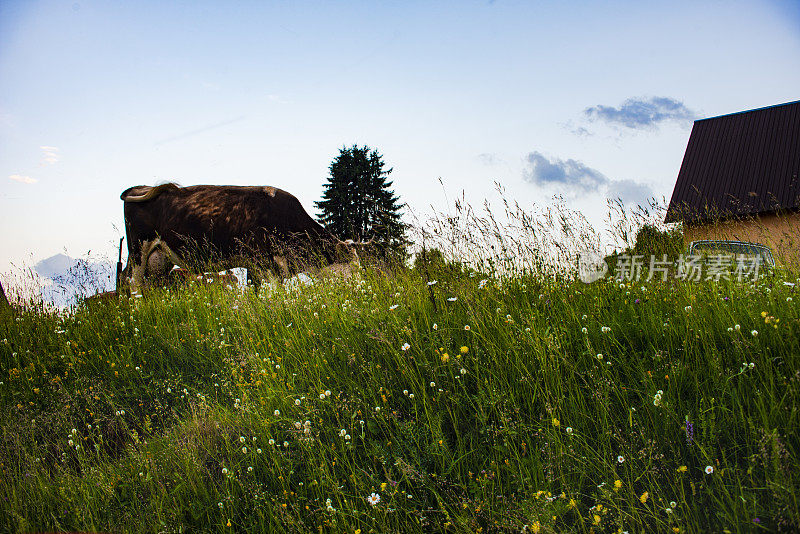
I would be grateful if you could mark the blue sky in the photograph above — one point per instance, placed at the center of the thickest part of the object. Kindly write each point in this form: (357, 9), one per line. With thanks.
(584, 99)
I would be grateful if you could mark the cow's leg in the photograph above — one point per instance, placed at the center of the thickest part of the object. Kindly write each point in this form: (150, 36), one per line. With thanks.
(281, 266)
(139, 266)
(255, 276)
(260, 275)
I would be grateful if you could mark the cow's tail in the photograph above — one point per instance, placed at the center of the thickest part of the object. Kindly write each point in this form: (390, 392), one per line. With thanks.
(143, 193)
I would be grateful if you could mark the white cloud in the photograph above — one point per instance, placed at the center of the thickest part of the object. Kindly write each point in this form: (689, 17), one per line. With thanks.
(23, 179)
(574, 178)
(50, 155)
(572, 174)
(630, 192)
(642, 113)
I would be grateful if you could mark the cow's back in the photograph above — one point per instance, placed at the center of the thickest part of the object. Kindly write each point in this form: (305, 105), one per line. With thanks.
(222, 221)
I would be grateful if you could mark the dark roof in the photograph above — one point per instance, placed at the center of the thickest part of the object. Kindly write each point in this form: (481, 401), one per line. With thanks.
(738, 165)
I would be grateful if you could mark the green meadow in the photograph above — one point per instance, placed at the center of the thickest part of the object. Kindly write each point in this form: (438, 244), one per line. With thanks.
(403, 401)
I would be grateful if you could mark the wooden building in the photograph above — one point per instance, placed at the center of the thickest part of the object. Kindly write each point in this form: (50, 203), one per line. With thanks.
(740, 180)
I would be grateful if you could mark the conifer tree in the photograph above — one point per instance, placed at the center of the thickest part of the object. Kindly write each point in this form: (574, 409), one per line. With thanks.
(358, 202)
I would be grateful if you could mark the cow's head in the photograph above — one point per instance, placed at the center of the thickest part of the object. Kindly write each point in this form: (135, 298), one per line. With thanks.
(346, 252)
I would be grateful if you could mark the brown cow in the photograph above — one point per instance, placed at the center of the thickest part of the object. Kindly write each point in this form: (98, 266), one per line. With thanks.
(263, 229)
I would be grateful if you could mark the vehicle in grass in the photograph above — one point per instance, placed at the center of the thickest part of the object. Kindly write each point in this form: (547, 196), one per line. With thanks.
(715, 259)
(734, 249)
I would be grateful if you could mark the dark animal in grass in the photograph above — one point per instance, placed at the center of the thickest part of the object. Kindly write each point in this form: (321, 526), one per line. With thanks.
(4, 305)
(263, 229)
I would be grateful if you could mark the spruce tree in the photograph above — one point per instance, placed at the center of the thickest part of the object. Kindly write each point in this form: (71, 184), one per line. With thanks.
(358, 202)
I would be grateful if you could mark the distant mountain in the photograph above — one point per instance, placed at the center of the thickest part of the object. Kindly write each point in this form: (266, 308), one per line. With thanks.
(53, 266)
(70, 278)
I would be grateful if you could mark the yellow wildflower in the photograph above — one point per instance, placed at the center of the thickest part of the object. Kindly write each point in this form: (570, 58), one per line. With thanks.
(556, 422)
(682, 469)
(596, 519)
(464, 350)
(643, 498)
(536, 527)
(617, 485)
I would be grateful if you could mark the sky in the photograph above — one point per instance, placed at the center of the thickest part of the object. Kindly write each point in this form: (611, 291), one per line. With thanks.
(588, 100)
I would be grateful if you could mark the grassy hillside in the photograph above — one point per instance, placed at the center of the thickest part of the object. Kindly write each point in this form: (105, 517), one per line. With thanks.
(390, 403)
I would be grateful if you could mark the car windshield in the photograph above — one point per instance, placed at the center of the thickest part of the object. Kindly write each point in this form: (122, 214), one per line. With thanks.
(732, 248)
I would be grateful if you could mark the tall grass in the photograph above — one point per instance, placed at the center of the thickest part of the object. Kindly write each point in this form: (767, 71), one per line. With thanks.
(506, 396)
